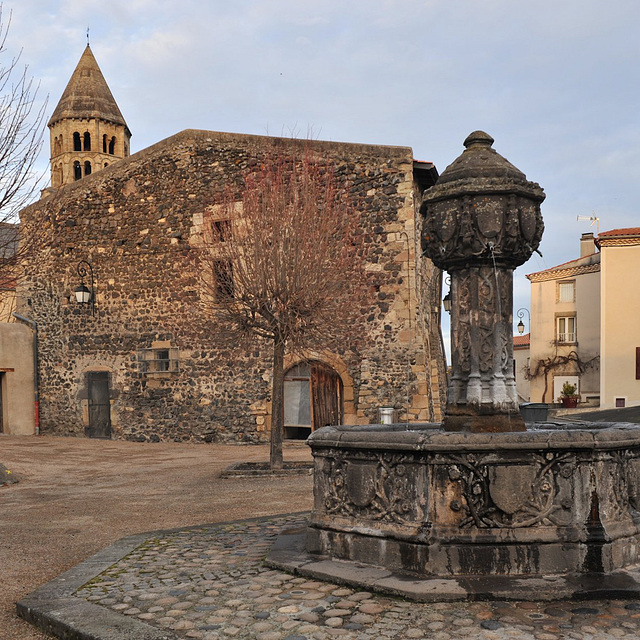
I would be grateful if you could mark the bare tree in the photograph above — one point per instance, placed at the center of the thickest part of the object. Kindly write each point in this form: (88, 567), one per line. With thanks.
(21, 135)
(283, 261)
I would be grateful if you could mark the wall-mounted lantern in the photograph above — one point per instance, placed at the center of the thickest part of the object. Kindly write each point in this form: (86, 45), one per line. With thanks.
(520, 324)
(447, 300)
(86, 295)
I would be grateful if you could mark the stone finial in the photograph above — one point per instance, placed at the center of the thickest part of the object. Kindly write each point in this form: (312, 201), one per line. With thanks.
(478, 137)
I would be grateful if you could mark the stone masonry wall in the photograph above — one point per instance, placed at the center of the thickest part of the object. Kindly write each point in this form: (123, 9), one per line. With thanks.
(133, 221)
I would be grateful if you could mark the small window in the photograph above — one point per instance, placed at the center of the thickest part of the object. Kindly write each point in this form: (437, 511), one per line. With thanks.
(77, 170)
(620, 403)
(112, 145)
(223, 273)
(158, 361)
(87, 168)
(567, 291)
(221, 230)
(104, 143)
(87, 141)
(76, 142)
(566, 329)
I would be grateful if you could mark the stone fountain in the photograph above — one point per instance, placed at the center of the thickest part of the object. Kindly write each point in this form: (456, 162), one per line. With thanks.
(480, 506)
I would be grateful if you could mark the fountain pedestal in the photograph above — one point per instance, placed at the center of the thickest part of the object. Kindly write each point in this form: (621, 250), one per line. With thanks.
(481, 220)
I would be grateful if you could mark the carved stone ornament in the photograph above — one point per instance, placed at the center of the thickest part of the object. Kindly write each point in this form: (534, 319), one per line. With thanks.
(378, 487)
(482, 210)
(481, 220)
(513, 495)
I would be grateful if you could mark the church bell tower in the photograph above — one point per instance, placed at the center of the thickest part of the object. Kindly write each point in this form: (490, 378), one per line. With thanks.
(87, 130)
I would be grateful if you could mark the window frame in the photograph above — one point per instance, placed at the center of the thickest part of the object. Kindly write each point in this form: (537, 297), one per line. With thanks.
(224, 282)
(563, 337)
(160, 361)
(559, 290)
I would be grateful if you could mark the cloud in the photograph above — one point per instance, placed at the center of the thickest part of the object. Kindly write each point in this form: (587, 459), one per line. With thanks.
(555, 83)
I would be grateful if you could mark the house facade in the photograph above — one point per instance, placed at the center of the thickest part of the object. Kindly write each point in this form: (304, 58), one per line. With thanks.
(18, 393)
(141, 361)
(521, 357)
(619, 318)
(583, 323)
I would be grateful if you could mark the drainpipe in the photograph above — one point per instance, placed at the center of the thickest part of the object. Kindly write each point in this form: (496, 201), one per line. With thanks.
(36, 390)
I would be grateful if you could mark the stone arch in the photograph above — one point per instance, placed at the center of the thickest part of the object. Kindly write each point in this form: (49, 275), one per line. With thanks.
(87, 167)
(112, 145)
(77, 170)
(335, 362)
(86, 142)
(77, 143)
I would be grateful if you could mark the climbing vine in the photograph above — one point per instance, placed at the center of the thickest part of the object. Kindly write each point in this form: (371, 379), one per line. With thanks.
(572, 360)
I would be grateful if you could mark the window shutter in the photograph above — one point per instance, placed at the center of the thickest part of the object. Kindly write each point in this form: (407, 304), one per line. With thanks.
(637, 363)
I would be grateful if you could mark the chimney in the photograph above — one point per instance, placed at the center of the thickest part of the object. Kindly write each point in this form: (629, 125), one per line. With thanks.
(587, 245)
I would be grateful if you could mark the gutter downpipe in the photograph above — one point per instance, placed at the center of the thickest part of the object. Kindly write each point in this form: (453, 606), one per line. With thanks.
(36, 389)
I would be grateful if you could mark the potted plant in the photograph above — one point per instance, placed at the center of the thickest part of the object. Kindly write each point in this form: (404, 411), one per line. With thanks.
(568, 396)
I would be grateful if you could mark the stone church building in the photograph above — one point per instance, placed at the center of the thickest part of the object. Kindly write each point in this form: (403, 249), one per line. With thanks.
(138, 360)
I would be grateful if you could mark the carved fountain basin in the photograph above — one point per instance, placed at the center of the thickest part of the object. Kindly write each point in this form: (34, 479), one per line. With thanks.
(423, 502)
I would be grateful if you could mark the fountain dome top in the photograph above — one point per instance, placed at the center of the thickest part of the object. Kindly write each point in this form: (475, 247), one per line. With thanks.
(479, 160)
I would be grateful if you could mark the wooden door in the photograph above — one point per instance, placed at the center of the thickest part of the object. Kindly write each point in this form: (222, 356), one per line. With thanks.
(99, 405)
(326, 390)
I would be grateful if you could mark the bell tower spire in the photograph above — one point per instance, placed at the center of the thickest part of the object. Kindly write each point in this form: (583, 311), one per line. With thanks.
(87, 130)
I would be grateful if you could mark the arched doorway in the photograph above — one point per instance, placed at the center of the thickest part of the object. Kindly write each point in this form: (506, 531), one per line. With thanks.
(313, 398)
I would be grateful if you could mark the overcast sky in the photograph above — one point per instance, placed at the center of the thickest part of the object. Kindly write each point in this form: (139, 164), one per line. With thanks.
(555, 82)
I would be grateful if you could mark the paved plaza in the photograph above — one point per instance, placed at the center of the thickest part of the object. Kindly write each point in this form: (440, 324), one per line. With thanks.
(210, 583)
(90, 509)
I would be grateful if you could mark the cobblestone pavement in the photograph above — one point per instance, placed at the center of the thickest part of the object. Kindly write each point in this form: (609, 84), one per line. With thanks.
(209, 583)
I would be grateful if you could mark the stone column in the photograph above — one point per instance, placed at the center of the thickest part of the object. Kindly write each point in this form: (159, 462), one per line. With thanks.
(481, 220)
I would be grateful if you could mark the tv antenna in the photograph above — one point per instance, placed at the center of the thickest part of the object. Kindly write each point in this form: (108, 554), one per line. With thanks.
(594, 219)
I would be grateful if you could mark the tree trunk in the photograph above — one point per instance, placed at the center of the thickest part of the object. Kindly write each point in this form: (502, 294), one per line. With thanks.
(277, 405)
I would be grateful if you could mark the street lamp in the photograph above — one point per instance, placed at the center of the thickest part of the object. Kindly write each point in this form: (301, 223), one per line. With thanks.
(447, 300)
(84, 294)
(520, 324)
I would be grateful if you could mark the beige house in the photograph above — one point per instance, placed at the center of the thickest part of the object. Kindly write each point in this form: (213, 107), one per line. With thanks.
(584, 317)
(17, 393)
(521, 353)
(620, 318)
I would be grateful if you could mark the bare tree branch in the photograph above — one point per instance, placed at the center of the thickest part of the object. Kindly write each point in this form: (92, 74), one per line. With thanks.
(21, 136)
(283, 260)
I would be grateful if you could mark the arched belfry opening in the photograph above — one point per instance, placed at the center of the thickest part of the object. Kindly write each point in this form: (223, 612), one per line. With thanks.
(313, 398)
